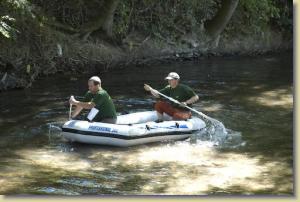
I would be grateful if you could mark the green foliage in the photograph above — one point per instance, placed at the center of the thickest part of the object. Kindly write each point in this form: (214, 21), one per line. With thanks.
(24, 40)
(73, 13)
(169, 18)
(31, 29)
(14, 16)
(122, 18)
(284, 20)
(255, 16)
(5, 29)
(6, 21)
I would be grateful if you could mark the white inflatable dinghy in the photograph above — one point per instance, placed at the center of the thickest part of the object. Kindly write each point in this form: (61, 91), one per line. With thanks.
(131, 129)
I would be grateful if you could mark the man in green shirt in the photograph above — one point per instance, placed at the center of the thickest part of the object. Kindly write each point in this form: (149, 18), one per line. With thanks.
(177, 91)
(97, 98)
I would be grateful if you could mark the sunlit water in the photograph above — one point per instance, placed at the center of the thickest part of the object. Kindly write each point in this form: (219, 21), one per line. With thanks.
(252, 97)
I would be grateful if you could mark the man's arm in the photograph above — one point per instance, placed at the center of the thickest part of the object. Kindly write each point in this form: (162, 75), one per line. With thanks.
(83, 105)
(192, 100)
(76, 111)
(153, 92)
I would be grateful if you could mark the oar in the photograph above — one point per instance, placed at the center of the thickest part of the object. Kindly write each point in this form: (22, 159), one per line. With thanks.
(70, 111)
(215, 122)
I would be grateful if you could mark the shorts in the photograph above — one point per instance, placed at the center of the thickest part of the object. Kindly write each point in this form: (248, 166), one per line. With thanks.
(177, 114)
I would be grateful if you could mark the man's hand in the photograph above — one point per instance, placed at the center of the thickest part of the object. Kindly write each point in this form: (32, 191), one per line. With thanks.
(183, 104)
(73, 101)
(154, 92)
(147, 87)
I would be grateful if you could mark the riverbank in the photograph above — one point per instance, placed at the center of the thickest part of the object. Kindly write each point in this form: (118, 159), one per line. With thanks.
(40, 38)
(73, 56)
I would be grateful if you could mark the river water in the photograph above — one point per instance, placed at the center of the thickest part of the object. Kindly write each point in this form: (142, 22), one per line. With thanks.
(251, 96)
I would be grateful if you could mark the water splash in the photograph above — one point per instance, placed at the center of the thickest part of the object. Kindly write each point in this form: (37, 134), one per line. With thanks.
(54, 130)
(233, 140)
(216, 136)
(55, 126)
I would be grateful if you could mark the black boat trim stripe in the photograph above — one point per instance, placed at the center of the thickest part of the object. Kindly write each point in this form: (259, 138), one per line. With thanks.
(111, 135)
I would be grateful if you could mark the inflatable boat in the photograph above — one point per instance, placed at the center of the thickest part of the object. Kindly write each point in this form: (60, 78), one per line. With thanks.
(131, 129)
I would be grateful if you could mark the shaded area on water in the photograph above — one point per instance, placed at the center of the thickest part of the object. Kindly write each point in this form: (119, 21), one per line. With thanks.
(252, 96)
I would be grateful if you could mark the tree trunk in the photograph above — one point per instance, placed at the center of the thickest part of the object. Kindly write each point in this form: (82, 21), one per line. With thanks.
(217, 24)
(108, 23)
(104, 20)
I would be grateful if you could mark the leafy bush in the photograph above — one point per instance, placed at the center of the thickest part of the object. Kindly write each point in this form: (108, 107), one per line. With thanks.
(168, 17)
(15, 18)
(255, 16)
(5, 28)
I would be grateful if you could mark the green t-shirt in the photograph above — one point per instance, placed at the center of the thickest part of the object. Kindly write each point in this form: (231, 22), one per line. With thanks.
(103, 103)
(180, 93)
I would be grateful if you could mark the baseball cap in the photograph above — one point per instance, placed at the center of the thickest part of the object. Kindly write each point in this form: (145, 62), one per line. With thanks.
(95, 78)
(172, 75)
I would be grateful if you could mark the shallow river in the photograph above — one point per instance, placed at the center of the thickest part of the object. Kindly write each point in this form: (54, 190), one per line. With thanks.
(252, 97)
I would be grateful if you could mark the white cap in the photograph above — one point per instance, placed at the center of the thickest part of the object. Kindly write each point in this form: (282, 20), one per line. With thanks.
(95, 78)
(172, 75)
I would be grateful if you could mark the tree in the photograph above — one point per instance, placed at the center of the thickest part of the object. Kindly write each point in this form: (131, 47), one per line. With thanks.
(104, 20)
(215, 26)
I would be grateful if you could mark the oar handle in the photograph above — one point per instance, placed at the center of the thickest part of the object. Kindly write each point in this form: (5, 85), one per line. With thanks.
(169, 98)
(70, 112)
